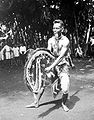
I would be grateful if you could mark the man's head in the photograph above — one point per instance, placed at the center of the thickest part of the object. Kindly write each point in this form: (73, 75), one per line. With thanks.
(58, 27)
(4, 28)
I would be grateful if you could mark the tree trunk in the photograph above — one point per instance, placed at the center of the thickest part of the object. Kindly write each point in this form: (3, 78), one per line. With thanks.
(77, 36)
(87, 39)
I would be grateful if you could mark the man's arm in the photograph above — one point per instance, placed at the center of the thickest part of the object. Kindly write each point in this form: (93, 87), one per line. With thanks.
(49, 45)
(3, 38)
(11, 48)
(3, 49)
(63, 52)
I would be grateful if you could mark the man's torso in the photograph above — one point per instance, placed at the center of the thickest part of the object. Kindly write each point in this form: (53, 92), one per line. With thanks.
(56, 45)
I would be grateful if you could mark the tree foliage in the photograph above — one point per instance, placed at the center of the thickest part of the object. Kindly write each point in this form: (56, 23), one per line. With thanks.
(76, 14)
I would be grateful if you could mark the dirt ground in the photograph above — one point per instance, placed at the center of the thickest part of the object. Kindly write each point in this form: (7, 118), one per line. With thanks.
(14, 96)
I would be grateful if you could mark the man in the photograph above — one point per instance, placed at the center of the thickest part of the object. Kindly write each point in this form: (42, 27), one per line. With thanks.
(3, 34)
(22, 51)
(16, 53)
(7, 50)
(58, 44)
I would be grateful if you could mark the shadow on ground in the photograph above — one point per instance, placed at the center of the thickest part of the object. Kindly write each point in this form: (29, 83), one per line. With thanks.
(57, 104)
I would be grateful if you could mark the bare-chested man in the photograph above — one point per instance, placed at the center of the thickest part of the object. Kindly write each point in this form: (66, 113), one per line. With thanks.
(58, 44)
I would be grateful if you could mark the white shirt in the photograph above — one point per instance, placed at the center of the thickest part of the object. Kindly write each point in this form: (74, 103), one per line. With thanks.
(16, 51)
(22, 49)
(7, 48)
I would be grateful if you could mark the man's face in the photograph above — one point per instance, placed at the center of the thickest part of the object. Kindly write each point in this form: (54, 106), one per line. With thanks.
(3, 27)
(57, 29)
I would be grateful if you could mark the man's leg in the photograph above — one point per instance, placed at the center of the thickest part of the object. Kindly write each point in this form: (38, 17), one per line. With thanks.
(65, 89)
(71, 62)
(37, 97)
(64, 99)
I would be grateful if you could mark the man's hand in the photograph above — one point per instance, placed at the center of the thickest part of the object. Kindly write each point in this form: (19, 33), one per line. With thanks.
(48, 69)
(50, 72)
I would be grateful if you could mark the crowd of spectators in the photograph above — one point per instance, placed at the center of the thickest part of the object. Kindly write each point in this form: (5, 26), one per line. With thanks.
(14, 55)
(16, 38)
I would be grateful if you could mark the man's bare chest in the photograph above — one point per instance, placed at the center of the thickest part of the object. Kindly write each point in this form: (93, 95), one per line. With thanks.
(57, 44)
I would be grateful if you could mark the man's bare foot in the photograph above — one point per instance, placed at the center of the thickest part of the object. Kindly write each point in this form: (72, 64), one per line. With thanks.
(65, 108)
(34, 104)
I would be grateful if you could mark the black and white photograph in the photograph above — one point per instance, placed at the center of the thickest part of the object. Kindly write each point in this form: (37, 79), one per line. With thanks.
(46, 59)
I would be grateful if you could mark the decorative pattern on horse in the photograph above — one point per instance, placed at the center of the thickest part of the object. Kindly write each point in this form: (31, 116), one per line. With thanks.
(35, 75)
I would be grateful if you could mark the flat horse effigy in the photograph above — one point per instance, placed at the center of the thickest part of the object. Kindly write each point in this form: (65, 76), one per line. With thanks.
(35, 75)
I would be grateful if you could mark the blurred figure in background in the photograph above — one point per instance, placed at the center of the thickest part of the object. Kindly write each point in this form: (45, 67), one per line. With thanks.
(16, 53)
(22, 50)
(6, 50)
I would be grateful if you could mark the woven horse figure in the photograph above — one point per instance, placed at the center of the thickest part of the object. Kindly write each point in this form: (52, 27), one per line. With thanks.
(35, 75)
